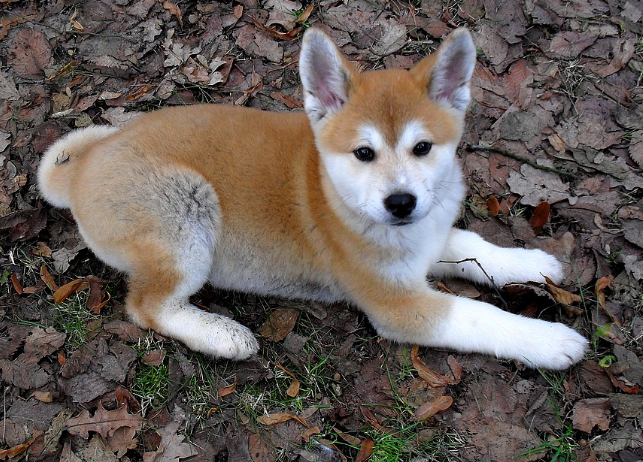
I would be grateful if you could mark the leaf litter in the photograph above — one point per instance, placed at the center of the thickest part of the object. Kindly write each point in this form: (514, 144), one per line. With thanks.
(557, 86)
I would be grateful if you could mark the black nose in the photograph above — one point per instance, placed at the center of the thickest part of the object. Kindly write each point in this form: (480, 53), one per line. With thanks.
(400, 205)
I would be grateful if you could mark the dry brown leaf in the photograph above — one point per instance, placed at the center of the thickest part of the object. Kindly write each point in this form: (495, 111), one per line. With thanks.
(103, 422)
(293, 389)
(306, 434)
(43, 250)
(16, 284)
(303, 17)
(280, 323)
(350, 439)
(17, 450)
(455, 367)
(280, 417)
(172, 446)
(590, 413)
(432, 378)
(174, 11)
(561, 295)
(228, 390)
(557, 143)
(540, 217)
(432, 407)
(154, 357)
(47, 279)
(600, 286)
(43, 396)
(365, 450)
(493, 205)
(68, 289)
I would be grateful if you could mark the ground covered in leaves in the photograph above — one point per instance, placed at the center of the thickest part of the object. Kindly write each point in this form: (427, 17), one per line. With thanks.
(553, 150)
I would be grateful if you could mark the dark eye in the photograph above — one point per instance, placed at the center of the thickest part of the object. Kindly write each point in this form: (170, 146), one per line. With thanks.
(364, 154)
(422, 148)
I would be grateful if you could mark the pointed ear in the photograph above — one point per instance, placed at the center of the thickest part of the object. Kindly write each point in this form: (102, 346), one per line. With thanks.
(449, 70)
(325, 74)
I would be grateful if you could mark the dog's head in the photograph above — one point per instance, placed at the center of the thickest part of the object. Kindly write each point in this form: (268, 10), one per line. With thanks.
(387, 138)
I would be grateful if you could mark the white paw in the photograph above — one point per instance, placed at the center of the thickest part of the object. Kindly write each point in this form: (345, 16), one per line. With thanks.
(552, 346)
(532, 265)
(209, 333)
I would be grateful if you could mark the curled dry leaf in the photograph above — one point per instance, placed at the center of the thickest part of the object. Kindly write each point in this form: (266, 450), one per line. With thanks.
(561, 295)
(432, 407)
(68, 289)
(432, 378)
(227, 390)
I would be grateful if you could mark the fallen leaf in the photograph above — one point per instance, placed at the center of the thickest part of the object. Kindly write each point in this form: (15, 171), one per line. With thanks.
(365, 450)
(16, 284)
(103, 422)
(429, 409)
(306, 434)
(174, 11)
(280, 417)
(154, 357)
(227, 390)
(29, 53)
(47, 279)
(600, 286)
(293, 389)
(280, 323)
(561, 295)
(540, 217)
(16, 450)
(493, 205)
(590, 413)
(68, 289)
(432, 378)
(43, 396)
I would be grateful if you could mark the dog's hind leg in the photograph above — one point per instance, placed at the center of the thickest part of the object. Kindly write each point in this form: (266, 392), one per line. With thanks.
(161, 229)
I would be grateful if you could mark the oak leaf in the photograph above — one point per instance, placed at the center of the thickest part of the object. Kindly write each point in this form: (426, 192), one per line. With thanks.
(103, 422)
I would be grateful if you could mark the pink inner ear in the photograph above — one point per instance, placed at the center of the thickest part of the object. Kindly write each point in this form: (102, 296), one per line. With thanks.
(328, 98)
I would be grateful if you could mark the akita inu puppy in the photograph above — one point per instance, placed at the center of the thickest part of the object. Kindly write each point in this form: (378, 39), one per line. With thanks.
(353, 200)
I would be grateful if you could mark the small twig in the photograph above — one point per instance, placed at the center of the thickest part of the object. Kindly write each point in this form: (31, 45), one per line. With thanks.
(519, 158)
(493, 283)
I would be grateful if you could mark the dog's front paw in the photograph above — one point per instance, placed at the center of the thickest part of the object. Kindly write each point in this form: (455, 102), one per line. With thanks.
(554, 346)
(547, 265)
(209, 333)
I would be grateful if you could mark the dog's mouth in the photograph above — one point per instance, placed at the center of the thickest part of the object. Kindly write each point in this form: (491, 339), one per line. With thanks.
(402, 223)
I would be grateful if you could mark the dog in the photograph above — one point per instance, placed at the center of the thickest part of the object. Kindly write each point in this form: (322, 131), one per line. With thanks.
(353, 199)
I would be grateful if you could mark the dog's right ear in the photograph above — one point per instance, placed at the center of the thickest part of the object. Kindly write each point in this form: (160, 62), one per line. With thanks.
(325, 74)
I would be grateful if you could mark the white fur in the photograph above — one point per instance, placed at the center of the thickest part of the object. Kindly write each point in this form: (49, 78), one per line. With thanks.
(480, 327)
(74, 143)
(206, 332)
(469, 256)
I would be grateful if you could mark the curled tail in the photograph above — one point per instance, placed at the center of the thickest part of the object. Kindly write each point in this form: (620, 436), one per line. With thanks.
(58, 164)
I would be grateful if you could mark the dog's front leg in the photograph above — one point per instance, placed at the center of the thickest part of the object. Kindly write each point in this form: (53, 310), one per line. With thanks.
(469, 256)
(431, 318)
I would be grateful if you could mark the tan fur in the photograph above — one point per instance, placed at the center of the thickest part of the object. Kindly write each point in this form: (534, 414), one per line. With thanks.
(241, 198)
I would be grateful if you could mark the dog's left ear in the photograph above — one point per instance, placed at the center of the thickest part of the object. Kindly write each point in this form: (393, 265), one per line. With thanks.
(448, 71)
(325, 74)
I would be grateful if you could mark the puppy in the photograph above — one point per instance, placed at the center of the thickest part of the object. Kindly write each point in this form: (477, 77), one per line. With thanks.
(353, 200)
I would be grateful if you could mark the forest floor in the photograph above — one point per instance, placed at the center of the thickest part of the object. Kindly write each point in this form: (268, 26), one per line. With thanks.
(558, 84)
